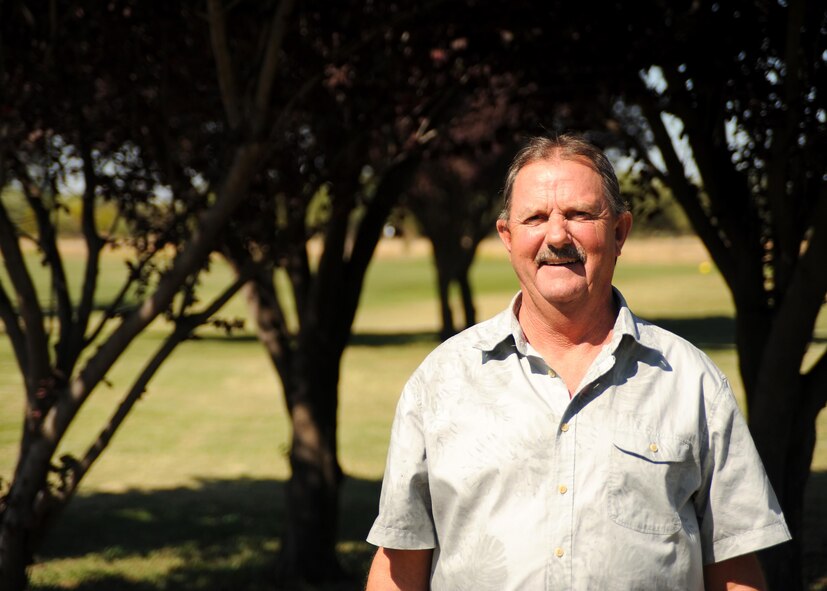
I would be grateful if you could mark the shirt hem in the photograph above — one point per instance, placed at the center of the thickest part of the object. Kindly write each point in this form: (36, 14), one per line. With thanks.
(745, 543)
(397, 539)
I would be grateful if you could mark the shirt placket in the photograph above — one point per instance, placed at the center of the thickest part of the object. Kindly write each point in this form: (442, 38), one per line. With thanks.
(562, 502)
(560, 571)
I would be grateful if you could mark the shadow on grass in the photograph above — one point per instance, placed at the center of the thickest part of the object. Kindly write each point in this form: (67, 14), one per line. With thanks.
(814, 534)
(223, 534)
(379, 339)
(360, 339)
(706, 332)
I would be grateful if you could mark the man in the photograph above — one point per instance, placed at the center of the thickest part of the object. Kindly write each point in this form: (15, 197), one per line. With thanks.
(565, 443)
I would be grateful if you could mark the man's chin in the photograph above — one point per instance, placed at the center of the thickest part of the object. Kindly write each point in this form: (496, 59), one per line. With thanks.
(559, 295)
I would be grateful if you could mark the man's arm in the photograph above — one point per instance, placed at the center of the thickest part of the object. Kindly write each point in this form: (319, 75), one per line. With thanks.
(400, 570)
(742, 573)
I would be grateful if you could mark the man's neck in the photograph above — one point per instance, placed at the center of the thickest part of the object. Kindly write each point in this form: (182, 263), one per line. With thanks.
(568, 339)
(546, 325)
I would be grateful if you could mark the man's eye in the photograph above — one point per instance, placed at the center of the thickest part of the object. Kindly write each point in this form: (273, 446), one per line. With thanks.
(581, 215)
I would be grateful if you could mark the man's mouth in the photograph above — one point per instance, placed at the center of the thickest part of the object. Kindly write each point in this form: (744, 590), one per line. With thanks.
(565, 256)
(558, 263)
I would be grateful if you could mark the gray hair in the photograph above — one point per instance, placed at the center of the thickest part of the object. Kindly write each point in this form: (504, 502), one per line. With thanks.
(565, 147)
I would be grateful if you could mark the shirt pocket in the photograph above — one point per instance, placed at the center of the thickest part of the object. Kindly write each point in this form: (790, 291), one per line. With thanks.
(648, 481)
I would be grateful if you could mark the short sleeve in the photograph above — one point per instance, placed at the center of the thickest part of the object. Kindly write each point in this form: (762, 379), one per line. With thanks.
(736, 506)
(405, 521)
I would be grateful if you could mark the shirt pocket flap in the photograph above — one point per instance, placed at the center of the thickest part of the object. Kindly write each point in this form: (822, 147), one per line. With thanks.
(655, 448)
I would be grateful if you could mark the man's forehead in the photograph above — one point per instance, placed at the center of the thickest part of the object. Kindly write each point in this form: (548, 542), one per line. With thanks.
(553, 177)
(556, 165)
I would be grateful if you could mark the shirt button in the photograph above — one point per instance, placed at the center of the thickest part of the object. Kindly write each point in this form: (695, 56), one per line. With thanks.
(562, 488)
(552, 373)
(558, 552)
(564, 427)
(653, 447)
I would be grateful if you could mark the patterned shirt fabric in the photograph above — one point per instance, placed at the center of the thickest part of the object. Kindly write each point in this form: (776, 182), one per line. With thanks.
(644, 475)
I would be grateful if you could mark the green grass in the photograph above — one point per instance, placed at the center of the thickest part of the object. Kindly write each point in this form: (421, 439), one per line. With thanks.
(189, 495)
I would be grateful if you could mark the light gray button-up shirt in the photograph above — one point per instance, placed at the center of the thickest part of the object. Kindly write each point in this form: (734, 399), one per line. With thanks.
(646, 474)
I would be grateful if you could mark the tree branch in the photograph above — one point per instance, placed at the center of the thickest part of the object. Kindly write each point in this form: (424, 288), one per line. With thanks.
(112, 309)
(329, 276)
(785, 242)
(269, 66)
(298, 270)
(704, 127)
(94, 245)
(48, 243)
(273, 332)
(37, 344)
(394, 180)
(687, 194)
(264, 306)
(14, 331)
(815, 384)
(182, 332)
(223, 63)
(190, 258)
(794, 322)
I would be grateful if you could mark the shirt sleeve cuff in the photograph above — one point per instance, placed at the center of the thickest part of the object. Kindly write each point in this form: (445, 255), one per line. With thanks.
(399, 539)
(747, 542)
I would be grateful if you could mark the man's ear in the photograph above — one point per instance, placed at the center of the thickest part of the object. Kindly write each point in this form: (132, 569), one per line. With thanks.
(505, 233)
(623, 225)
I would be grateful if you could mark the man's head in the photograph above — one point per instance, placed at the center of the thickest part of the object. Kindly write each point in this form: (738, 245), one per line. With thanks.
(564, 147)
(564, 222)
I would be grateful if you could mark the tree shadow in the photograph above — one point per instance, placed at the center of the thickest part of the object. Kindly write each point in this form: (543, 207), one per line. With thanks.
(379, 339)
(359, 339)
(814, 534)
(222, 534)
(705, 332)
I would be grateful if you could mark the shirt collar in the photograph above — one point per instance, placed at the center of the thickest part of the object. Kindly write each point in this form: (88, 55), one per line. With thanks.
(505, 325)
(500, 328)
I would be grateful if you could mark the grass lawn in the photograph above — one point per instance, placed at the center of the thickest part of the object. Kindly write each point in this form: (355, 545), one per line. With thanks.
(189, 495)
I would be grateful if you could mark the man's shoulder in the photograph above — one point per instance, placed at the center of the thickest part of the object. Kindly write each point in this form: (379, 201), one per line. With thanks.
(469, 344)
(483, 335)
(677, 350)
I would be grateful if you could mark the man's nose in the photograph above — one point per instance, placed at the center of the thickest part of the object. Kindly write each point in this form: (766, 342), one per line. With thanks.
(557, 232)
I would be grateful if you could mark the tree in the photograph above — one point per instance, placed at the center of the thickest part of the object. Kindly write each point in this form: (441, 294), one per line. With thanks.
(332, 187)
(455, 200)
(748, 102)
(87, 108)
(743, 83)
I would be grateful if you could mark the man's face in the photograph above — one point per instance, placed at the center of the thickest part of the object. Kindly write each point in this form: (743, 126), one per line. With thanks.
(561, 234)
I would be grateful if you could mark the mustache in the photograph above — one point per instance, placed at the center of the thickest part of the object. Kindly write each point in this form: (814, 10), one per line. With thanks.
(557, 255)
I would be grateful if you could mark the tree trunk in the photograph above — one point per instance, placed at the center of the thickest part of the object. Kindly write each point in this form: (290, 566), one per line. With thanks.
(467, 296)
(23, 513)
(312, 516)
(790, 471)
(783, 408)
(446, 314)
(783, 564)
(15, 556)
